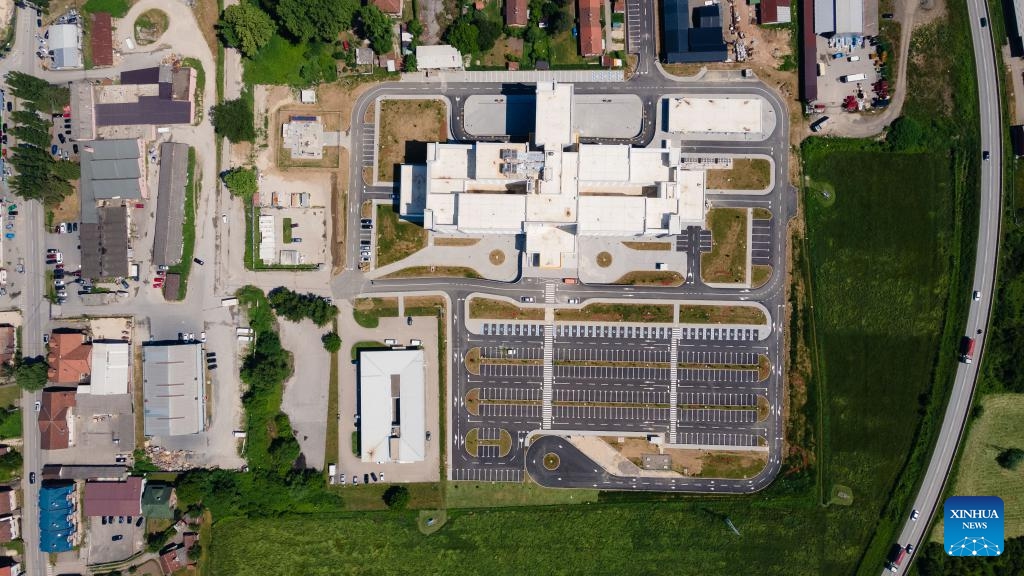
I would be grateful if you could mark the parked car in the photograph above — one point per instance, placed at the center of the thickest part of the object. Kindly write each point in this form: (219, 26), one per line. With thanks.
(198, 261)
(74, 226)
(74, 148)
(139, 521)
(116, 537)
(366, 226)
(10, 106)
(37, 405)
(31, 477)
(296, 240)
(163, 268)
(211, 366)
(202, 336)
(52, 251)
(62, 139)
(366, 221)
(46, 338)
(103, 520)
(527, 299)
(574, 300)
(58, 283)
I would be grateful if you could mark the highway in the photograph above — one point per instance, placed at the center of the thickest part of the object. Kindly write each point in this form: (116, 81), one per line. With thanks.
(928, 497)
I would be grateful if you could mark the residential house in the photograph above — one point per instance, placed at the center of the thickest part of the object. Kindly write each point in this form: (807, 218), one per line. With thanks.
(8, 343)
(56, 419)
(392, 8)
(70, 358)
(591, 40)
(517, 13)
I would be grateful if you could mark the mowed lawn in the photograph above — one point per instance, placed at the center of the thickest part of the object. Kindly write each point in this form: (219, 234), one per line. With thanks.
(879, 260)
(1001, 426)
(635, 538)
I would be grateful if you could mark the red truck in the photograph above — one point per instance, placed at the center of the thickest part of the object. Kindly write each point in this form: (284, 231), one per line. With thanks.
(967, 350)
(896, 556)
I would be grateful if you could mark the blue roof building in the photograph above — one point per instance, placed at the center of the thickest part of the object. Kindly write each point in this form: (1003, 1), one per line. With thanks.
(691, 38)
(57, 517)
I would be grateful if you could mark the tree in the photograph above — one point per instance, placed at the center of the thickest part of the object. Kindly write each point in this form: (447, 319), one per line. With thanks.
(295, 306)
(42, 94)
(233, 119)
(31, 373)
(246, 27)
(488, 31)
(241, 181)
(1010, 458)
(375, 26)
(10, 465)
(396, 497)
(463, 36)
(309, 19)
(332, 342)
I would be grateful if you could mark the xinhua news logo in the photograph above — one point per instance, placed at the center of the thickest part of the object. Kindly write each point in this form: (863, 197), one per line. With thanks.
(973, 526)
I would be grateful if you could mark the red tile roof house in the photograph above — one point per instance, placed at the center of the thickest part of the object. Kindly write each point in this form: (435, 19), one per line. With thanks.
(8, 500)
(102, 40)
(175, 556)
(56, 415)
(517, 12)
(8, 529)
(392, 8)
(114, 498)
(70, 358)
(591, 43)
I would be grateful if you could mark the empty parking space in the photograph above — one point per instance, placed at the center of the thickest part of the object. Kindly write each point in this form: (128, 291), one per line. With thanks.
(512, 352)
(605, 331)
(513, 370)
(633, 22)
(709, 375)
(718, 439)
(611, 396)
(705, 240)
(716, 357)
(722, 416)
(580, 373)
(717, 399)
(741, 334)
(642, 355)
(619, 417)
(511, 410)
(488, 474)
(511, 394)
(512, 329)
(761, 242)
(368, 144)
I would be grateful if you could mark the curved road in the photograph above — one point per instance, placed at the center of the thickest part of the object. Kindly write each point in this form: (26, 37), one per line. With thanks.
(927, 500)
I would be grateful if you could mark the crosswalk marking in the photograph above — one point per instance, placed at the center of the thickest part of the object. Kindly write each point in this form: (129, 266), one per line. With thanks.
(673, 381)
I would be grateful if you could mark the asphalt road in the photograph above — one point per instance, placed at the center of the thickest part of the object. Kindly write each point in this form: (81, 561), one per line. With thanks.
(927, 500)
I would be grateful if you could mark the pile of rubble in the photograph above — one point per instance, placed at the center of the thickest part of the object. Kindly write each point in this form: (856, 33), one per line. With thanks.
(170, 460)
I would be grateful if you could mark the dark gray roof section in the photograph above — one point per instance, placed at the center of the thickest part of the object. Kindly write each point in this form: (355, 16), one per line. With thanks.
(148, 110)
(143, 76)
(110, 169)
(105, 244)
(170, 203)
(696, 39)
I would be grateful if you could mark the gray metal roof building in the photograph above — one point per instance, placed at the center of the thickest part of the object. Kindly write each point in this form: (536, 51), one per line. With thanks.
(65, 42)
(111, 169)
(173, 389)
(839, 17)
(105, 243)
(170, 203)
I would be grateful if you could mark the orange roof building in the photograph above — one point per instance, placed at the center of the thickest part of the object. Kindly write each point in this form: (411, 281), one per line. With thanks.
(56, 416)
(70, 358)
(389, 7)
(517, 13)
(590, 28)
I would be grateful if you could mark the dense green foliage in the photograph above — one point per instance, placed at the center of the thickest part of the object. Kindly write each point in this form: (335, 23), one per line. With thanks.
(274, 484)
(331, 342)
(1010, 458)
(316, 19)
(396, 497)
(295, 306)
(233, 119)
(241, 182)
(375, 25)
(116, 8)
(46, 97)
(10, 423)
(473, 32)
(30, 373)
(246, 27)
(10, 465)
(302, 64)
(934, 561)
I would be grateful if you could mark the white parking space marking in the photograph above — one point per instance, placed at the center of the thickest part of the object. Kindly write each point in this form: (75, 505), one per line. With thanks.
(718, 416)
(488, 474)
(719, 439)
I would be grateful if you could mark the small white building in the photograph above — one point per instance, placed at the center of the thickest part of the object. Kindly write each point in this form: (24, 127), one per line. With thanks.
(65, 41)
(307, 96)
(392, 409)
(443, 57)
(110, 366)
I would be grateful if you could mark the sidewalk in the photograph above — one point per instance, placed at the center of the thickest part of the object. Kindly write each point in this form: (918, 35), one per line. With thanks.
(476, 257)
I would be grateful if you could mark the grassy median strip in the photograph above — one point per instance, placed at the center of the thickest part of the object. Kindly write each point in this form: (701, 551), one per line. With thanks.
(435, 272)
(368, 311)
(651, 278)
(701, 314)
(618, 313)
(653, 246)
(745, 174)
(727, 261)
(396, 239)
(491, 309)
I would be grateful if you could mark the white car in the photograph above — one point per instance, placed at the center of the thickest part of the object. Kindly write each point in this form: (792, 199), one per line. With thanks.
(58, 283)
(977, 295)
(202, 336)
(37, 405)
(915, 515)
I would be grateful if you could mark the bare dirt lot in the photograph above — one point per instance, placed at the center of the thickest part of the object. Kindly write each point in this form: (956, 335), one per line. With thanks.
(708, 464)
(406, 126)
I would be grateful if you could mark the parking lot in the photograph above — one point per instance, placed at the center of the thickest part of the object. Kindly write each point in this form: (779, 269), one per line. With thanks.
(513, 329)
(761, 242)
(718, 416)
(611, 417)
(717, 357)
(715, 375)
(624, 374)
(741, 334)
(592, 396)
(717, 399)
(831, 90)
(643, 355)
(719, 439)
(531, 411)
(101, 546)
(634, 331)
(307, 232)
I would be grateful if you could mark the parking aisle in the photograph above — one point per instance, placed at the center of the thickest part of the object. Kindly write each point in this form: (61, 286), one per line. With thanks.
(719, 376)
(512, 329)
(761, 242)
(718, 357)
(612, 414)
(617, 330)
(719, 439)
(717, 399)
(488, 474)
(584, 373)
(740, 334)
(510, 410)
(611, 396)
(718, 416)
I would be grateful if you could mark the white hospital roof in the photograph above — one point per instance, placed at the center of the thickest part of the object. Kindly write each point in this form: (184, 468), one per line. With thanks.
(554, 115)
(704, 115)
(390, 379)
(604, 163)
(690, 189)
(438, 57)
(492, 213)
(611, 215)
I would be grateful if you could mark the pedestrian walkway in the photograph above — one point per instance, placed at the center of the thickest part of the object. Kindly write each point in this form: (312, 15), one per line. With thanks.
(477, 257)
(549, 373)
(673, 381)
(517, 76)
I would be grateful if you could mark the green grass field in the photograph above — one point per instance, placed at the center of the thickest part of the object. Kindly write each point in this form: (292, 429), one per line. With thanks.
(880, 266)
(1000, 426)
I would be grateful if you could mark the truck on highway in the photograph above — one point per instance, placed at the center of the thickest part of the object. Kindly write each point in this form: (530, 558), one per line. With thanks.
(896, 556)
(853, 78)
(967, 350)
